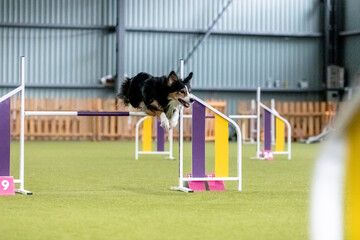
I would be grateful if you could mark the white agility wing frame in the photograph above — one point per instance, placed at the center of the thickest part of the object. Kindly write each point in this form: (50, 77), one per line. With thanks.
(276, 114)
(137, 145)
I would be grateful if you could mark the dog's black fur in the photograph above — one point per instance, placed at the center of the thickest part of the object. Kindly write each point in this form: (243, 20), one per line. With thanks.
(155, 95)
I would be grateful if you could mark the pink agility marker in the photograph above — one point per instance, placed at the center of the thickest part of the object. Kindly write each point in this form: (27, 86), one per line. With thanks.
(215, 185)
(7, 186)
(196, 186)
(267, 155)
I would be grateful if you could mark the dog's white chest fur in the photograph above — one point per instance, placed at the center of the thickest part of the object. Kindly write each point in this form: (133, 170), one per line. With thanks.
(172, 106)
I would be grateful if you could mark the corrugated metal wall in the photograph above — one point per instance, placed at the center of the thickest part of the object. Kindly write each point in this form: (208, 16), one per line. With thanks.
(57, 56)
(228, 61)
(351, 43)
(242, 15)
(158, 34)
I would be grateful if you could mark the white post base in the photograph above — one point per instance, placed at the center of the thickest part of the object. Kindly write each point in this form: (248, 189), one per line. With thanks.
(260, 158)
(183, 189)
(23, 191)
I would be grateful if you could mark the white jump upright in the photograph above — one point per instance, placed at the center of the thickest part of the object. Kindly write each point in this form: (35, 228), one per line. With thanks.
(181, 186)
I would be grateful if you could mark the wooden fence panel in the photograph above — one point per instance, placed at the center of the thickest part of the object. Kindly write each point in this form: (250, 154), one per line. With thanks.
(244, 108)
(210, 122)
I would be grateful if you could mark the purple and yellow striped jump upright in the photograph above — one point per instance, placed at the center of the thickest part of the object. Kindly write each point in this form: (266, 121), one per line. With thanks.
(198, 149)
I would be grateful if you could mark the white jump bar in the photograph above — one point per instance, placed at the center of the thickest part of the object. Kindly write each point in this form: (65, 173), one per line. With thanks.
(69, 113)
(280, 152)
(232, 116)
(51, 113)
(13, 92)
(144, 152)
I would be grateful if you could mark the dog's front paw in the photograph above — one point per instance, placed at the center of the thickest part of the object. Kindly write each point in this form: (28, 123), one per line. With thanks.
(173, 123)
(165, 124)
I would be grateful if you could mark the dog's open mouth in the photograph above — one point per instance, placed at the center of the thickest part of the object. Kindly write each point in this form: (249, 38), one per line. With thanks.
(185, 104)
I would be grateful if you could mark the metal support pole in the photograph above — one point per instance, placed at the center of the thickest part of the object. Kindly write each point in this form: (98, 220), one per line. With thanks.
(120, 43)
(181, 142)
(272, 101)
(22, 119)
(22, 130)
(171, 144)
(252, 124)
(258, 99)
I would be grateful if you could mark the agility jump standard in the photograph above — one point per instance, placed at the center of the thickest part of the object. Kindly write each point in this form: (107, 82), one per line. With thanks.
(274, 129)
(198, 146)
(280, 123)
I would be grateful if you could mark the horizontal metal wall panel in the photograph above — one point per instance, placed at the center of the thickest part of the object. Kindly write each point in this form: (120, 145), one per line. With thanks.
(352, 58)
(228, 62)
(64, 93)
(155, 53)
(352, 16)
(242, 15)
(57, 57)
(81, 12)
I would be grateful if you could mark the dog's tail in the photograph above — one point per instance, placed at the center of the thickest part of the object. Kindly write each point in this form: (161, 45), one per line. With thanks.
(124, 91)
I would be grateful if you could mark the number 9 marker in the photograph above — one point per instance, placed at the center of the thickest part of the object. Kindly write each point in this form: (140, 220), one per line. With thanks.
(5, 184)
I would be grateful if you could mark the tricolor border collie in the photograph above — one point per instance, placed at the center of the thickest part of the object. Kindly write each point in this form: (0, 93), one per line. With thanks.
(158, 96)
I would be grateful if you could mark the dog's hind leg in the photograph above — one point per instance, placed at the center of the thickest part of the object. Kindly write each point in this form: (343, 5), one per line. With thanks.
(153, 109)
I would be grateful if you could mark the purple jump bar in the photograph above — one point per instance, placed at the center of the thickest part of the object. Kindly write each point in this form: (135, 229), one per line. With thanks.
(267, 130)
(198, 140)
(99, 114)
(5, 138)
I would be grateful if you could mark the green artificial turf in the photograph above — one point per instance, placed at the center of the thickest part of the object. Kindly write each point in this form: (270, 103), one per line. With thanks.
(96, 190)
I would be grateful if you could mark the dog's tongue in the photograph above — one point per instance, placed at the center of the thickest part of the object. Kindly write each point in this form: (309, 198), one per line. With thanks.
(185, 104)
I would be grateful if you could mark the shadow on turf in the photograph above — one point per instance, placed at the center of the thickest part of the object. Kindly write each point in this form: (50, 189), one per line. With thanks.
(147, 191)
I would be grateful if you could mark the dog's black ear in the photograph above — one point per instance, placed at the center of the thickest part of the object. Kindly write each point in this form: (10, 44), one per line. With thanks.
(188, 78)
(172, 78)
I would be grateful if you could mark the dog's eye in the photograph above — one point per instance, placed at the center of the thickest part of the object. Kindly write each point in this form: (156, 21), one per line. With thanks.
(182, 92)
